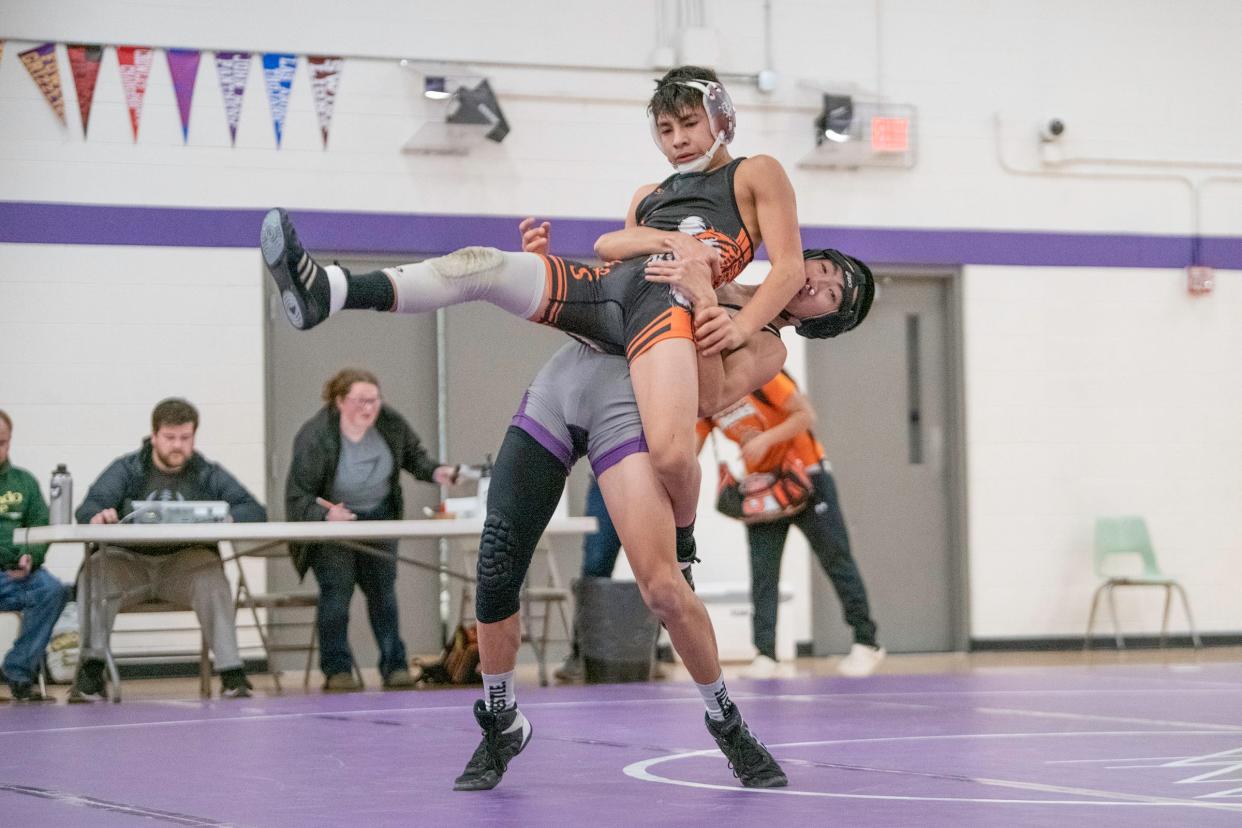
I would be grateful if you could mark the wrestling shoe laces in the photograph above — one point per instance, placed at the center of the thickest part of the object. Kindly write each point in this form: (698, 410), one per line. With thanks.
(300, 280)
(748, 758)
(491, 758)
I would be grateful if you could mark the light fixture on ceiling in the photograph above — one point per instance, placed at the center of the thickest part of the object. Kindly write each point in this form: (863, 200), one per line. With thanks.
(435, 88)
(477, 105)
(834, 121)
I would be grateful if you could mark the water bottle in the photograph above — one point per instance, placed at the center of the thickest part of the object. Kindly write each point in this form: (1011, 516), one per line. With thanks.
(60, 509)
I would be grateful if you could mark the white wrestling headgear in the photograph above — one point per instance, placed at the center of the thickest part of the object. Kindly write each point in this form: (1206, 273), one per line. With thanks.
(721, 119)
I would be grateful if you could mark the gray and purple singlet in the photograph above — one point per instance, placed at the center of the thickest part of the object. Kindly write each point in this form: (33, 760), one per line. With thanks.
(581, 403)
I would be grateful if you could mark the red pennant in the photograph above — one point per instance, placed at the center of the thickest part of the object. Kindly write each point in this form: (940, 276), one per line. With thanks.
(84, 60)
(41, 64)
(325, 74)
(135, 64)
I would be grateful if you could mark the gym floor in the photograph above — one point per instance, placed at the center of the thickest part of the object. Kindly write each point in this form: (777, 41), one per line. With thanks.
(990, 739)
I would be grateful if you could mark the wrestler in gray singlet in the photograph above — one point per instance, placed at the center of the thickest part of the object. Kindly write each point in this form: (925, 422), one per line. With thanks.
(581, 403)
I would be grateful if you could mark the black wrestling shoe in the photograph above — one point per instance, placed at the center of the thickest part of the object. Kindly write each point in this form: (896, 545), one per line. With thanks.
(749, 759)
(686, 556)
(302, 282)
(495, 752)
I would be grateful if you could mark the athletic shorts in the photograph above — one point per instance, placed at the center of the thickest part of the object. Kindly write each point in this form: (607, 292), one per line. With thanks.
(580, 404)
(613, 307)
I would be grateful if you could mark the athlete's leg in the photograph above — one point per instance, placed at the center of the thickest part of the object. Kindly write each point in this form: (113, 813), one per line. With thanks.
(665, 379)
(526, 486)
(310, 292)
(643, 518)
(644, 522)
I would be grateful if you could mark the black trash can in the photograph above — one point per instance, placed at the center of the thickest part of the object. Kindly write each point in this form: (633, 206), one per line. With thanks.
(616, 632)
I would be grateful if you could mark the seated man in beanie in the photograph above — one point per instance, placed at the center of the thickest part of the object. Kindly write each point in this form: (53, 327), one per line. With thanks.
(166, 467)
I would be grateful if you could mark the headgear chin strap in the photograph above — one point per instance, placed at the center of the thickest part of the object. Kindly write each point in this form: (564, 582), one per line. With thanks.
(721, 120)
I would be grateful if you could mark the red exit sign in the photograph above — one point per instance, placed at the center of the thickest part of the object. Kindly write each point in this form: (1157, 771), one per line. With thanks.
(890, 134)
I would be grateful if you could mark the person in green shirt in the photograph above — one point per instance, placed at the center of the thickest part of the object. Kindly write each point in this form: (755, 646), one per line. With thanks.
(25, 586)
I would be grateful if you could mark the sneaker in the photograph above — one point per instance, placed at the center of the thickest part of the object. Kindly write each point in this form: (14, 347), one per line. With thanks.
(24, 691)
(767, 668)
(493, 755)
(399, 679)
(748, 758)
(302, 282)
(341, 683)
(89, 684)
(571, 669)
(861, 661)
(233, 685)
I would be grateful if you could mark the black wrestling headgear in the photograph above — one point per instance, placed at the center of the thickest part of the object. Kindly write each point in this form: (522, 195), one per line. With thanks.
(856, 298)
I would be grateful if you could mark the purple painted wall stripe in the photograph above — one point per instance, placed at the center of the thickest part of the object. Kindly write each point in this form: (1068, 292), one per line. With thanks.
(396, 233)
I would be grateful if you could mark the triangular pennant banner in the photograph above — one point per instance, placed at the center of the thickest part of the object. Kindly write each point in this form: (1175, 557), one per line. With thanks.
(233, 68)
(325, 74)
(278, 71)
(84, 60)
(183, 66)
(41, 64)
(135, 64)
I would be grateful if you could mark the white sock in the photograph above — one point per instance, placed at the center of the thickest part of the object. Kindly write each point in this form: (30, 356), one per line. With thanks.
(337, 288)
(514, 282)
(716, 697)
(499, 692)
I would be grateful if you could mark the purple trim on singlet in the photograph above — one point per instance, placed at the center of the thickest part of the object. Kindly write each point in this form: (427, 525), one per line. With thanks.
(615, 455)
(542, 436)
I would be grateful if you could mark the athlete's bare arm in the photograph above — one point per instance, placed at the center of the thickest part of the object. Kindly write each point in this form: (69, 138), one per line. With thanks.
(634, 240)
(726, 378)
(637, 240)
(770, 212)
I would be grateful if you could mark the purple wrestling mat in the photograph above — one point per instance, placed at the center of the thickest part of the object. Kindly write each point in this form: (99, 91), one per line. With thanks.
(1107, 746)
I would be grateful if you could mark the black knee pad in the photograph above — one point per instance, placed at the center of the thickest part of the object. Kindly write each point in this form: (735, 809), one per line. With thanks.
(502, 566)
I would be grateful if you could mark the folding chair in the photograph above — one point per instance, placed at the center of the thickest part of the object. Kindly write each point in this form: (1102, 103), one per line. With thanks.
(550, 595)
(1125, 536)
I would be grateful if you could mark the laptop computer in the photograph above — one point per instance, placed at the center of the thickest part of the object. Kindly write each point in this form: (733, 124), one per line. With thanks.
(179, 511)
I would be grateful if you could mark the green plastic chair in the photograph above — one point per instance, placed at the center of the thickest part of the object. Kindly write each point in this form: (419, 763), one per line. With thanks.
(1126, 536)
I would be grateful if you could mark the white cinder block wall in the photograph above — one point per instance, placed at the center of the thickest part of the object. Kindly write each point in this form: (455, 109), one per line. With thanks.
(1088, 390)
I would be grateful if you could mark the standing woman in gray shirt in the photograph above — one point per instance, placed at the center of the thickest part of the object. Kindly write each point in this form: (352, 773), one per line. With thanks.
(347, 461)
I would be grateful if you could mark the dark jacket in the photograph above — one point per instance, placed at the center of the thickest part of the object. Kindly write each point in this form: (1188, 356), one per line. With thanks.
(316, 450)
(21, 506)
(123, 482)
